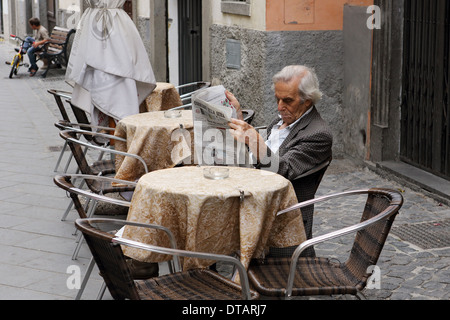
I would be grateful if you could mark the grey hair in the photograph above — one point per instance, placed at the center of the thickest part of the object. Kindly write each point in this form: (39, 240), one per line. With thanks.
(309, 85)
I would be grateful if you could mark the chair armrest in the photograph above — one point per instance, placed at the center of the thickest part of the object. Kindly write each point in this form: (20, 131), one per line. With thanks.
(260, 128)
(201, 84)
(196, 86)
(320, 199)
(96, 134)
(89, 145)
(61, 93)
(63, 182)
(65, 125)
(55, 41)
(184, 106)
(123, 223)
(64, 134)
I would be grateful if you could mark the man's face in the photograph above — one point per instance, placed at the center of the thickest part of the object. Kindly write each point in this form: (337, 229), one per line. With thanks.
(290, 105)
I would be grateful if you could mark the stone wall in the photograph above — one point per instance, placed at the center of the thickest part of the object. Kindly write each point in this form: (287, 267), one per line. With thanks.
(265, 53)
(357, 66)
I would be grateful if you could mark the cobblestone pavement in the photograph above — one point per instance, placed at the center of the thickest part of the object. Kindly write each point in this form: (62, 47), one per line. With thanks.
(36, 246)
(415, 269)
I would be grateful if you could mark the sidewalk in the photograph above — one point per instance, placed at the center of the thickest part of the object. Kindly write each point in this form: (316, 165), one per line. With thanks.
(36, 246)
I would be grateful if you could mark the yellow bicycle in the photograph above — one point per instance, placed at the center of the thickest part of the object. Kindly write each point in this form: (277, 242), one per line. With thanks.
(17, 61)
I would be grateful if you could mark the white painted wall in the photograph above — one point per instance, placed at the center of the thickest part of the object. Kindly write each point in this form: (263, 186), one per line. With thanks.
(256, 21)
(143, 8)
(6, 18)
(173, 42)
(69, 4)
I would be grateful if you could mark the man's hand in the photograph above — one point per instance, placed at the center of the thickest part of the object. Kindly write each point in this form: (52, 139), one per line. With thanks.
(243, 132)
(235, 104)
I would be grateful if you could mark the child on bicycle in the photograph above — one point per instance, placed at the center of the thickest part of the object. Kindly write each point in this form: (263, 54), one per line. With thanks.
(41, 38)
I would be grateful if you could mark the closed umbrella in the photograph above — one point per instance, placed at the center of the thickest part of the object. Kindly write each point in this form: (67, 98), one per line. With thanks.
(108, 66)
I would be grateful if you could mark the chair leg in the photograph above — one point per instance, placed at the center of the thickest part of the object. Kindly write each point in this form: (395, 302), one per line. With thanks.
(78, 247)
(92, 209)
(86, 209)
(102, 291)
(69, 207)
(80, 236)
(68, 163)
(60, 157)
(66, 213)
(360, 296)
(85, 279)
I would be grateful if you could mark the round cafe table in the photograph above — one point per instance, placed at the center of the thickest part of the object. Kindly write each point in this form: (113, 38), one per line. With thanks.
(235, 214)
(161, 140)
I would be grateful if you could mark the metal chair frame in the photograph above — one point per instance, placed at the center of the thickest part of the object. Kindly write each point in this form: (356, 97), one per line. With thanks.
(173, 251)
(70, 136)
(388, 213)
(65, 183)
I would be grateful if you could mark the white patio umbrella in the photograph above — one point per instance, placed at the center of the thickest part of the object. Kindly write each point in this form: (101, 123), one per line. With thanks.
(108, 65)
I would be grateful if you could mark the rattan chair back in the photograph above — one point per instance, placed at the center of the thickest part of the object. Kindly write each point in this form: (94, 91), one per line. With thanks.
(58, 95)
(305, 187)
(369, 242)
(301, 276)
(110, 261)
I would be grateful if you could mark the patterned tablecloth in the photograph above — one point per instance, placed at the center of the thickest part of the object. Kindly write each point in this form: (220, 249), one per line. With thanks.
(162, 142)
(164, 97)
(211, 216)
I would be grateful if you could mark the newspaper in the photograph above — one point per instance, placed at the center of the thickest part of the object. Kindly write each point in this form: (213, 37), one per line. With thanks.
(213, 144)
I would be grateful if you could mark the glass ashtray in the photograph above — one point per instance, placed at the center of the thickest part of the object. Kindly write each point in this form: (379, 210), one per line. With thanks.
(172, 113)
(216, 173)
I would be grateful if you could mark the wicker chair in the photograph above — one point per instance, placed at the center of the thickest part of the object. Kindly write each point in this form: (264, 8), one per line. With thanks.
(102, 139)
(103, 167)
(65, 182)
(304, 276)
(196, 284)
(188, 89)
(82, 124)
(248, 115)
(58, 95)
(305, 187)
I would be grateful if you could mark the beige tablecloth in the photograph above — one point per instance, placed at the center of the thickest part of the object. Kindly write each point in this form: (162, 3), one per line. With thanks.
(164, 97)
(208, 215)
(162, 142)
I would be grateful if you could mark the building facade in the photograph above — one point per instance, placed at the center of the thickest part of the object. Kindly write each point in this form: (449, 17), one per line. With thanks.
(383, 105)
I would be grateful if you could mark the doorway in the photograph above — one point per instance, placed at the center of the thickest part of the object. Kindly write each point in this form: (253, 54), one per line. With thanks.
(51, 14)
(425, 112)
(190, 40)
